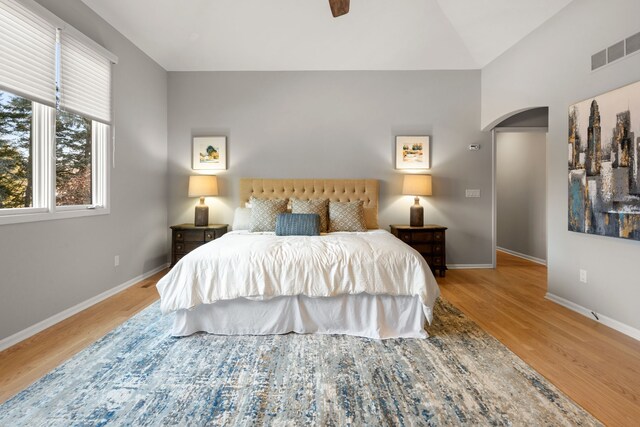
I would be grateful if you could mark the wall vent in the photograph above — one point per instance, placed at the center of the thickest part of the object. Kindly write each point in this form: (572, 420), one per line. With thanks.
(615, 52)
(633, 43)
(599, 59)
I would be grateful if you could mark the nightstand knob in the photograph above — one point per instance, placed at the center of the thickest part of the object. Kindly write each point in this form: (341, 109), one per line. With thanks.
(179, 235)
(209, 236)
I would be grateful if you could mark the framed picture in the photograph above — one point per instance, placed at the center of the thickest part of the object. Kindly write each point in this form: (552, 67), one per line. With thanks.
(210, 152)
(604, 164)
(412, 152)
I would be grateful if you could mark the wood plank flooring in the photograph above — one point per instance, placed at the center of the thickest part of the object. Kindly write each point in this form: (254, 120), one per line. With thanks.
(31, 359)
(596, 366)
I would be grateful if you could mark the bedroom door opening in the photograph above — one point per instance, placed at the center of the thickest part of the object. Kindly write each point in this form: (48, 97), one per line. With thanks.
(519, 146)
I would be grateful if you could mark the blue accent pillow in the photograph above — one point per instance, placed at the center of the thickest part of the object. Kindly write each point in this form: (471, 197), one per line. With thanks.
(290, 224)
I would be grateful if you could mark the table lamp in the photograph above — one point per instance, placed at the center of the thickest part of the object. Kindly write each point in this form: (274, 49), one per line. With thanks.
(202, 186)
(417, 185)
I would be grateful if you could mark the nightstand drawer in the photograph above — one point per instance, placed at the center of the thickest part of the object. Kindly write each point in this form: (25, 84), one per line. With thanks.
(422, 236)
(186, 247)
(405, 237)
(193, 235)
(423, 248)
(188, 235)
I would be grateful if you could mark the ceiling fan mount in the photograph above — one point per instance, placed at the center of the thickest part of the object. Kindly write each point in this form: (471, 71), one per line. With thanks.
(339, 7)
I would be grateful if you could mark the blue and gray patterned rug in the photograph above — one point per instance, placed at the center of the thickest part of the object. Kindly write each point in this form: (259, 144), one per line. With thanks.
(139, 375)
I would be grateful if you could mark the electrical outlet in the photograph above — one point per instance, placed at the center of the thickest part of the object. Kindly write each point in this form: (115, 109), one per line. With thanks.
(583, 276)
(116, 261)
(472, 193)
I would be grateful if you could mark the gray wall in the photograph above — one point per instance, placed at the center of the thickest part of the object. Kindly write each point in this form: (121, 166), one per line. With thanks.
(339, 125)
(551, 67)
(521, 192)
(50, 266)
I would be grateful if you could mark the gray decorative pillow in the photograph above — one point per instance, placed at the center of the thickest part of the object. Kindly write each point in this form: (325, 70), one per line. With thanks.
(346, 216)
(318, 206)
(265, 212)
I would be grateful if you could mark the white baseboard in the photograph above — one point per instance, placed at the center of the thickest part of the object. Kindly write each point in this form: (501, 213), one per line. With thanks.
(607, 321)
(467, 266)
(56, 318)
(519, 255)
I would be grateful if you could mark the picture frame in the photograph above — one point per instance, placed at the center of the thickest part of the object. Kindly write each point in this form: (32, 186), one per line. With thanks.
(604, 164)
(412, 152)
(209, 153)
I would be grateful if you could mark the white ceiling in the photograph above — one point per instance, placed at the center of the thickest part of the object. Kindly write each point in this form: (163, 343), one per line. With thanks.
(199, 35)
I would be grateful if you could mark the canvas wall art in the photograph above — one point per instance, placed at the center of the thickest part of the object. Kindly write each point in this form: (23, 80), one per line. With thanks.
(412, 152)
(210, 153)
(604, 164)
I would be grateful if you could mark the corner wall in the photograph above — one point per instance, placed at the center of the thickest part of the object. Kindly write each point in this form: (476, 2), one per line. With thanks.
(49, 266)
(551, 67)
(339, 125)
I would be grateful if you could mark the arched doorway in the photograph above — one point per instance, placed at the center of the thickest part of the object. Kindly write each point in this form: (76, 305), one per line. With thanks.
(519, 145)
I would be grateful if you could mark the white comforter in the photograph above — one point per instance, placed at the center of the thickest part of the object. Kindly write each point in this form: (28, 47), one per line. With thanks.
(262, 265)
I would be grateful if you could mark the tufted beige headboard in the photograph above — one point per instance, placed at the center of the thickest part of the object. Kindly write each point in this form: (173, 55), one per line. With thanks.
(336, 190)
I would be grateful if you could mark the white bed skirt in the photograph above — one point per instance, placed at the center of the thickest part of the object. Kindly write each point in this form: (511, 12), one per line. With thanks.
(364, 315)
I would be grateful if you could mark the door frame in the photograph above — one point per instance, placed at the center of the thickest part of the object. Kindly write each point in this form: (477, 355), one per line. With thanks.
(494, 192)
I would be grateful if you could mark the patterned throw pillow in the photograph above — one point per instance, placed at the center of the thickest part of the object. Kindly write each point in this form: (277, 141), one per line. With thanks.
(347, 216)
(265, 212)
(319, 206)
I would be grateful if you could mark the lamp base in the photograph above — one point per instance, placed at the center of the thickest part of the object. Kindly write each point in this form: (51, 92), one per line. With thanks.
(416, 218)
(202, 215)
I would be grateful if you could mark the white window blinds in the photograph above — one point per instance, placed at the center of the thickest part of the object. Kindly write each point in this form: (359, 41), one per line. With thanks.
(85, 79)
(28, 53)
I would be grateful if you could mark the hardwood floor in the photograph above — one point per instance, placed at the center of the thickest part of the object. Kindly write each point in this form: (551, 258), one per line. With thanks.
(31, 359)
(596, 366)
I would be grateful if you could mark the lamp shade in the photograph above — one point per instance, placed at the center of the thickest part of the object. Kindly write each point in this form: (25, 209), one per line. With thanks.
(417, 185)
(203, 185)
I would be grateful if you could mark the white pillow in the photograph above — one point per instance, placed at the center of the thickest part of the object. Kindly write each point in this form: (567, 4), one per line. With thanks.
(242, 219)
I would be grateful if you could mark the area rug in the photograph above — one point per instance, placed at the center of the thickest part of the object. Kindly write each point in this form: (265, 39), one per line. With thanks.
(139, 375)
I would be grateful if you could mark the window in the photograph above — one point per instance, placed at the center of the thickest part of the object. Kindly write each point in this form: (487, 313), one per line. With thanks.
(16, 177)
(55, 117)
(73, 160)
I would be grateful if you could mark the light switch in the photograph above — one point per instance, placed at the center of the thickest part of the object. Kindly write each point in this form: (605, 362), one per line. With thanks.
(472, 193)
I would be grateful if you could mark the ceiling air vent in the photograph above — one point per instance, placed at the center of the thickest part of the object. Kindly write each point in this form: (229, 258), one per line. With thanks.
(615, 52)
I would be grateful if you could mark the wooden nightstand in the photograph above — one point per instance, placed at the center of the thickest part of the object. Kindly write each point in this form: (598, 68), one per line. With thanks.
(429, 240)
(187, 237)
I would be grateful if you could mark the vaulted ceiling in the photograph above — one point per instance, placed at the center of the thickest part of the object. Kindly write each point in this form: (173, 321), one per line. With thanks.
(212, 35)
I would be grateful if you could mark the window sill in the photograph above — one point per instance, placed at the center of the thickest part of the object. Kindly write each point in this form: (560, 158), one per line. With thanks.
(48, 216)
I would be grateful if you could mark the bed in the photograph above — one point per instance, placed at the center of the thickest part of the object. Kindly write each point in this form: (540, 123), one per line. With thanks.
(365, 283)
